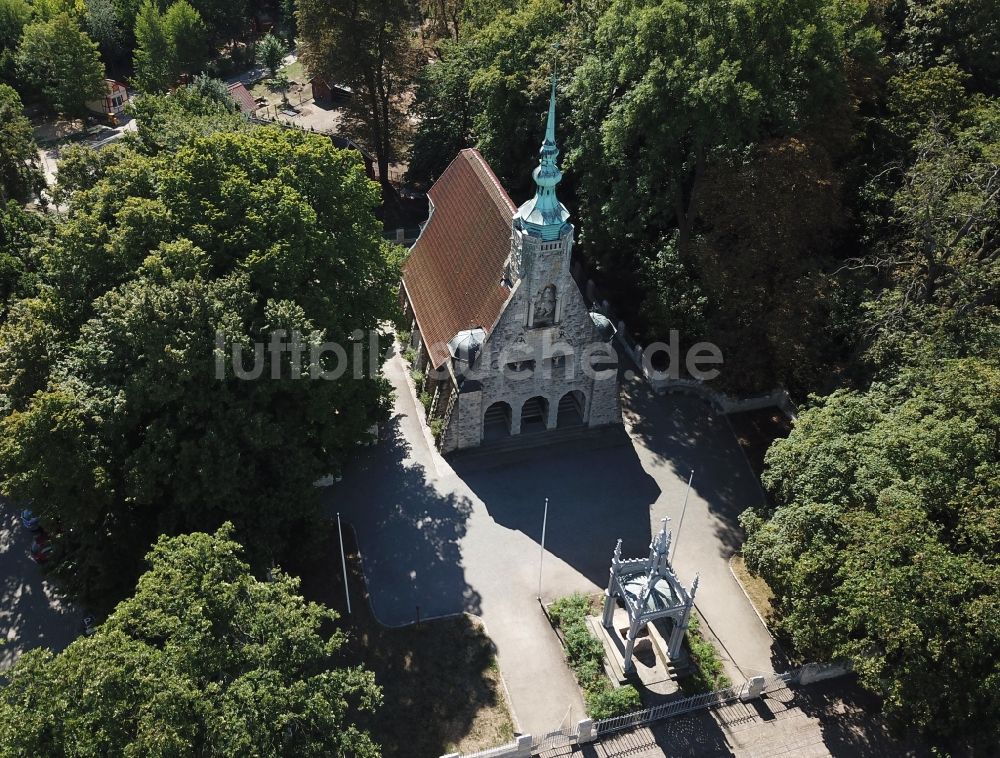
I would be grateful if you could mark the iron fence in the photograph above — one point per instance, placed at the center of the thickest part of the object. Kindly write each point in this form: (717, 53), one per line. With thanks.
(686, 705)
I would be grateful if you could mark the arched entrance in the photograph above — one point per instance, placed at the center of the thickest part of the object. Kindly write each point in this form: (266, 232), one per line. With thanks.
(496, 421)
(572, 407)
(534, 415)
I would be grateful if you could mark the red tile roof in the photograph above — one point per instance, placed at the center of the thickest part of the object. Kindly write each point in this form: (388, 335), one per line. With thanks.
(452, 275)
(242, 97)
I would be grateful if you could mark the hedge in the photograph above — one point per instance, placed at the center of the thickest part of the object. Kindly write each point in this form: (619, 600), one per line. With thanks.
(586, 658)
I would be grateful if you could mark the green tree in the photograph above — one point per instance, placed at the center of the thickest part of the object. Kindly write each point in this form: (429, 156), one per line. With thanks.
(81, 167)
(919, 98)
(883, 544)
(271, 52)
(964, 32)
(186, 36)
(14, 16)
(165, 122)
(20, 175)
(490, 89)
(288, 23)
(19, 231)
(212, 90)
(670, 87)
(46, 10)
(768, 225)
(226, 19)
(936, 247)
(203, 659)
(60, 59)
(105, 28)
(152, 56)
(156, 260)
(445, 112)
(367, 46)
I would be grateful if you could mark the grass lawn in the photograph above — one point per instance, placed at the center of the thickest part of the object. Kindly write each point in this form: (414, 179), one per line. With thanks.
(440, 680)
(295, 73)
(757, 590)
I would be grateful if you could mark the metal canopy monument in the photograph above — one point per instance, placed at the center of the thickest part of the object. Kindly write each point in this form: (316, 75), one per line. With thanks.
(649, 590)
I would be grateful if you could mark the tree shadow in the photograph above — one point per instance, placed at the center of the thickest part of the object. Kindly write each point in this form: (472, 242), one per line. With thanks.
(32, 611)
(597, 489)
(390, 499)
(685, 434)
(850, 721)
(440, 684)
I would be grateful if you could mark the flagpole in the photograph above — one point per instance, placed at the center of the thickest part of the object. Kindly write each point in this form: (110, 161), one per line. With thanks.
(343, 564)
(680, 523)
(541, 555)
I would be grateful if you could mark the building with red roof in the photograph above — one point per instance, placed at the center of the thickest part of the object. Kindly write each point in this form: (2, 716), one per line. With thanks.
(503, 337)
(242, 97)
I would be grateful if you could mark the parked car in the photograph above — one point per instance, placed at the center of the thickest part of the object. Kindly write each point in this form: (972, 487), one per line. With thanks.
(30, 521)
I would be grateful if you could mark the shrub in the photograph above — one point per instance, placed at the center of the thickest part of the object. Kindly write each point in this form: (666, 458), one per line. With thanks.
(575, 606)
(586, 658)
(409, 355)
(426, 399)
(708, 673)
(404, 337)
(418, 378)
(608, 702)
(437, 427)
(581, 645)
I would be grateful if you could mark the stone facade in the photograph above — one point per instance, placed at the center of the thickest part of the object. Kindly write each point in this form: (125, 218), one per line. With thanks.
(567, 369)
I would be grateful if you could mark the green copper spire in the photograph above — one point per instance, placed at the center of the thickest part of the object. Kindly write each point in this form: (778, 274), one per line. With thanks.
(544, 216)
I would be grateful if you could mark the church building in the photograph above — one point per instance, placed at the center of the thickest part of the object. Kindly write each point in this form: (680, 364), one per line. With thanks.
(505, 344)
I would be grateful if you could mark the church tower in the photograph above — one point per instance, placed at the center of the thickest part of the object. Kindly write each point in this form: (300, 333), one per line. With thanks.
(542, 237)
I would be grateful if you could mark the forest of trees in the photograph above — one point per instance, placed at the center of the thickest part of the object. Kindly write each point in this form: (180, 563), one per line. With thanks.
(813, 185)
(123, 421)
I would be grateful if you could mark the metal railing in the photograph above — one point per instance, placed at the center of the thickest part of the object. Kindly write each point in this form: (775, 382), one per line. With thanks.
(752, 688)
(494, 752)
(687, 705)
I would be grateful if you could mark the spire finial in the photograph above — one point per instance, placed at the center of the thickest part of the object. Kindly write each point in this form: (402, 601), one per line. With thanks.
(550, 124)
(544, 216)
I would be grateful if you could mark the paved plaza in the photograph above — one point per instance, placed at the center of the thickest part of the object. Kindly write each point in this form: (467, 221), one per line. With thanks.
(442, 537)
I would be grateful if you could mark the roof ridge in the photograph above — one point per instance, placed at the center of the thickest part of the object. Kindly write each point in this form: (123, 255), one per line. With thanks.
(491, 176)
(453, 275)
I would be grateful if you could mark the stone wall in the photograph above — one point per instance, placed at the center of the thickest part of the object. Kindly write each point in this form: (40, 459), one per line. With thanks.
(516, 336)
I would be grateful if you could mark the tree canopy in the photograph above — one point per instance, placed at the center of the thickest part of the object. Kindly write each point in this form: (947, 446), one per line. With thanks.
(367, 47)
(204, 659)
(120, 427)
(20, 176)
(14, 16)
(60, 59)
(882, 546)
